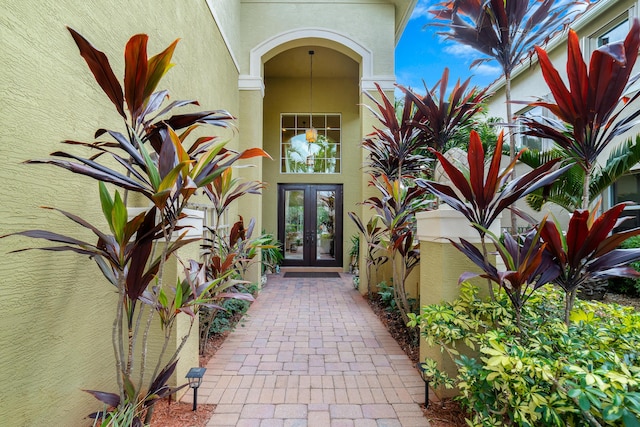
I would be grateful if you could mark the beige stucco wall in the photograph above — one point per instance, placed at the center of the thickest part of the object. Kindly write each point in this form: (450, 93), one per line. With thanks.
(368, 22)
(55, 309)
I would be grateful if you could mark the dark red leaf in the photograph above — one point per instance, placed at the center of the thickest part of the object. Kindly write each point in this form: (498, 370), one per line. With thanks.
(99, 66)
(135, 73)
(111, 399)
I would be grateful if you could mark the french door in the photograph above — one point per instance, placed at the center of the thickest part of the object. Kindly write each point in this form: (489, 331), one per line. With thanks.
(310, 224)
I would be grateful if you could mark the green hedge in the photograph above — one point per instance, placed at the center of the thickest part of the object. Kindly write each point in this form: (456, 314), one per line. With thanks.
(546, 375)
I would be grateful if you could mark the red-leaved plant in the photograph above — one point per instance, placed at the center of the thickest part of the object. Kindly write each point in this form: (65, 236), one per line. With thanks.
(504, 31)
(149, 158)
(528, 266)
(591, 110)
(589, 250)
(481, 195)
(439, 117)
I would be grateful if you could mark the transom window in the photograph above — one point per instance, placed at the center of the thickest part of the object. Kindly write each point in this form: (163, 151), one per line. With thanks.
(297, 155)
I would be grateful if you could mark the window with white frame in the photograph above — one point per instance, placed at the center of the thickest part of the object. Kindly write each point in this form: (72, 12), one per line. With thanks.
(297, 155)
(528, 141)
(615, 33)
(626, 189)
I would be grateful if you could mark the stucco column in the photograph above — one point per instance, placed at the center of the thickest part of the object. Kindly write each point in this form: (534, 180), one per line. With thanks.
(368, 121)
(441, 264)
(250, 136)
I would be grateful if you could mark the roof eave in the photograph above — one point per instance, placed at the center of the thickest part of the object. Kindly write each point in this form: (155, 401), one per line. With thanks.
(404, 9)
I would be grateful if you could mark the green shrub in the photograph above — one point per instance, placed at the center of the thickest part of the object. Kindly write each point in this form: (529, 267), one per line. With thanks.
(388, 299)
(547, 374)
(226, 320)
(623, 285)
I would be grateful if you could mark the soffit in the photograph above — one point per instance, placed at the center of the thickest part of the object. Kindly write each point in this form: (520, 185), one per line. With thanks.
(327, 63)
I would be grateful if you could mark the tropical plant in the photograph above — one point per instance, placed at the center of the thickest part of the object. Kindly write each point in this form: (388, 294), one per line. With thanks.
(438, 117)
(396, 209)
(504, 31)
(545, 374)
(354, 251)
(270, 251)
(589, 250)
(485, 127)
(154, 163)
(527, 266)
(482, 195)
(590, 111)
(393, 149)
(373, 235)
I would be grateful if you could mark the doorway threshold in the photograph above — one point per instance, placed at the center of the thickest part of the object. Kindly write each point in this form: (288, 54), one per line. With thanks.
(305, 269)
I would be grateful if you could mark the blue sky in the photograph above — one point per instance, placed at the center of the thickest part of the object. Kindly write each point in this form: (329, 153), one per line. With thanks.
(423, 55)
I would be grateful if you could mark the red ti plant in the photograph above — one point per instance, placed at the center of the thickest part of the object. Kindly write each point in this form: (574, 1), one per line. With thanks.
(504, 31)
(481, 195)
(589, 250)
(590, 108)
(393, 148)
(396, 208)
(528, 266)
(439, 117)
(151, 159)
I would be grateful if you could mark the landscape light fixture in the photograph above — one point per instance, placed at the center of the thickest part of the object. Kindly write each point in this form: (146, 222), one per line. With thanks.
(422, 368)
(195, 379)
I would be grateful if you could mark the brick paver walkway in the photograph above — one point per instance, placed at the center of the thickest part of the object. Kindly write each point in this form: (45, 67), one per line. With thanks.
(312, 353)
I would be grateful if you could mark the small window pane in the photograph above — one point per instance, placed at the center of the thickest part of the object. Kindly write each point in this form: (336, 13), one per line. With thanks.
(616, 34)
(319, 122)
(333, 135)
(333, 121)
(303, 121)
(627, 189)
(288, 121)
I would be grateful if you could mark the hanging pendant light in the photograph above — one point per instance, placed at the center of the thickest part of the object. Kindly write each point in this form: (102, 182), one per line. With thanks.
(311, 134)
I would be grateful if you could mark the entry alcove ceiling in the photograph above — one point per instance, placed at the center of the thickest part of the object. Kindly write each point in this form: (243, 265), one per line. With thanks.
(327, 63)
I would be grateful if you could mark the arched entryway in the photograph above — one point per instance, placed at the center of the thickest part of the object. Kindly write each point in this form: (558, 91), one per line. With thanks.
(325, 174)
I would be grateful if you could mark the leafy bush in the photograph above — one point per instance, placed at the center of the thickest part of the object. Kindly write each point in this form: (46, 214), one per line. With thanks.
(387, 297)
(546, 373)
(623, 285)
(226, 319)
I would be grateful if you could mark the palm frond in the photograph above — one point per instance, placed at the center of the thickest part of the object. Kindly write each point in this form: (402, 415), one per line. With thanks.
(620, 161)
(535, 158)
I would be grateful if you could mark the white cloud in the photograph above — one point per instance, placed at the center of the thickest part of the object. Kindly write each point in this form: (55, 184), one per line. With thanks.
(421, 10)
(487, 70)
(459, 49)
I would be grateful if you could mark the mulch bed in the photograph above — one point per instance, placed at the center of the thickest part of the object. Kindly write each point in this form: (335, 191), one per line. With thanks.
(178, 414)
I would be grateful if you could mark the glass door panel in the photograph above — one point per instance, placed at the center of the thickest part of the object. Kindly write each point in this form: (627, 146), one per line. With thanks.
(325, 225)
(294, 224)
(310, 224)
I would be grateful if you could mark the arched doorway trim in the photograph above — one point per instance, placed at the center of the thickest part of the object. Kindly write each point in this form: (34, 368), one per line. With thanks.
(322, 37)
(286, 40)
